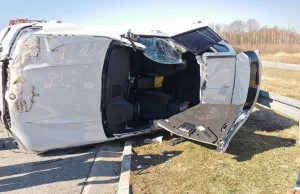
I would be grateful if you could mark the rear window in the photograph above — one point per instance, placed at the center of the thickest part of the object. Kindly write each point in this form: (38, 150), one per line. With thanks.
(199, 40)
(211, 34)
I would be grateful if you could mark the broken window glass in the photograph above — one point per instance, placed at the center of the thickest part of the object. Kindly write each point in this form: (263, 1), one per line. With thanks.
(161, 50)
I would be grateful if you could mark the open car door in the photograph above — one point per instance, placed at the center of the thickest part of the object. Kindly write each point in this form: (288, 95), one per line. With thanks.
(229, 92)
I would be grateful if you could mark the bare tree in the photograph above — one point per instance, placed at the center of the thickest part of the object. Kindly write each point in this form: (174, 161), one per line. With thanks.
(238, 26)
(250, 34)
(252, 25)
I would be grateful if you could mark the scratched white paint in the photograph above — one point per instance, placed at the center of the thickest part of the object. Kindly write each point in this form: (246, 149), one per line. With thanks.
(66, 74)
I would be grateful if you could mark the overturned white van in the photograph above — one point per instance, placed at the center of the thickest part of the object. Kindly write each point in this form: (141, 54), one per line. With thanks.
(65, 85)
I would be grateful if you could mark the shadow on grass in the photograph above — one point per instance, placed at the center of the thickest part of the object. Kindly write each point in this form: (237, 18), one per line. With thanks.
(248, 143)
(264, 119)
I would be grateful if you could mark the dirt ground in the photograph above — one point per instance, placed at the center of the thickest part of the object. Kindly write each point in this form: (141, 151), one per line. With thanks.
(263, 157)
(284, 82)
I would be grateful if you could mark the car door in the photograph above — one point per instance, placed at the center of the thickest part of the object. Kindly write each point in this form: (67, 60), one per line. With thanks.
(228, 94)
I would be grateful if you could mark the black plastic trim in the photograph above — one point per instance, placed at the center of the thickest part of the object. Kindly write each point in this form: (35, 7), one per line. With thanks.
(5, 114)
(107, 132)
(105, 82)
(254, 76)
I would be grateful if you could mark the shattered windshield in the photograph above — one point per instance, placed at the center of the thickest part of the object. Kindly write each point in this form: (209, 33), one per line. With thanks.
(161, 50)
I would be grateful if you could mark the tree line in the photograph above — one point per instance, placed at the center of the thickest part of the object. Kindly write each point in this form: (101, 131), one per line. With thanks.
(250, 32)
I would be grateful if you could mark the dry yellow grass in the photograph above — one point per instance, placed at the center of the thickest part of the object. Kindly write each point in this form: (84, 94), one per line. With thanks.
(285, 53)
(269, 48)
(281, 57)
(286, 83)
(263, 158)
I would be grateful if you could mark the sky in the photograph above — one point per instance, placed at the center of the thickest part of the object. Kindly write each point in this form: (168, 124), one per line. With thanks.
(147, 13)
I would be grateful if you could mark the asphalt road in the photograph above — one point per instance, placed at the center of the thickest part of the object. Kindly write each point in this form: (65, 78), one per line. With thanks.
(294, 67)
(63, 171)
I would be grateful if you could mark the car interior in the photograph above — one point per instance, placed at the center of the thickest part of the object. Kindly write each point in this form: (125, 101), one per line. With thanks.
(132, 99)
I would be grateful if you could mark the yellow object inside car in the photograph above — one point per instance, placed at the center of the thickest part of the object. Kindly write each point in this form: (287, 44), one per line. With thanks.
(158, 81)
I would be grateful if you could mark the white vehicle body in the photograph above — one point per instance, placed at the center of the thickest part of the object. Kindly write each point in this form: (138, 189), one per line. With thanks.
(60, 87)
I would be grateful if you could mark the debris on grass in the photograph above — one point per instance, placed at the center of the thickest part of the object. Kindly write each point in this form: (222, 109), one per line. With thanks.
(141, 166)
(154, 140)
(168, 161)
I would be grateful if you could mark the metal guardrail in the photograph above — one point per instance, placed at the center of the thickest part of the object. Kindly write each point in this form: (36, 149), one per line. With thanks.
(282, 104)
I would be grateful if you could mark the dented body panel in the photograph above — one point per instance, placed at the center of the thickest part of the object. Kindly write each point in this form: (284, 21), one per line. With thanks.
(8, 35)
(59, 103)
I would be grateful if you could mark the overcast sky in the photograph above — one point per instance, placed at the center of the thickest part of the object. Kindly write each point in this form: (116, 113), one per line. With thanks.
(144, 13)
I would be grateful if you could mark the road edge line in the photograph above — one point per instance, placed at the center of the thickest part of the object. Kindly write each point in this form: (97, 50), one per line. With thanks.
(124, 186)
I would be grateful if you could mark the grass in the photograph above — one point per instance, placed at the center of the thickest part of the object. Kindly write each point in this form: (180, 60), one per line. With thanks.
(263, 157)
(282, 57)
(286, 83)
(286, 53)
